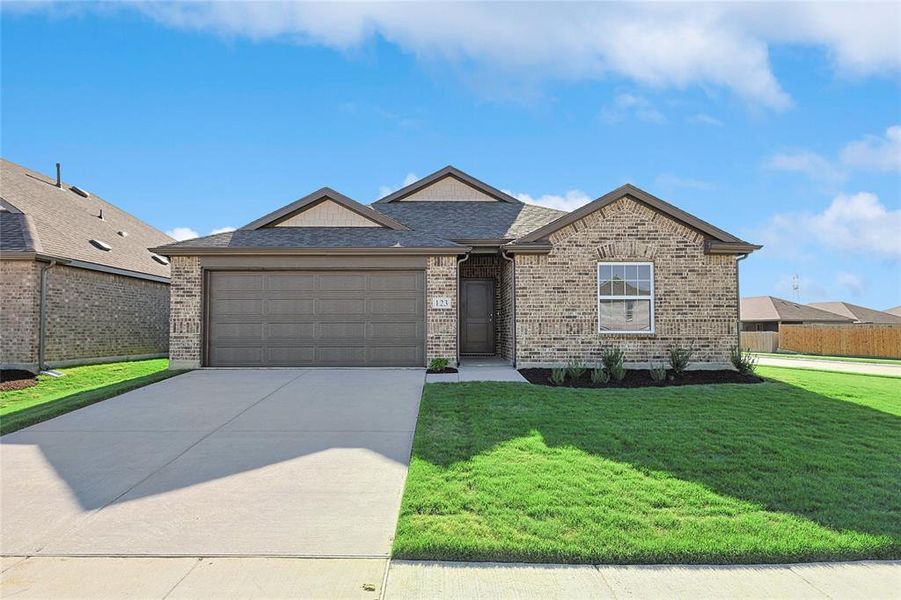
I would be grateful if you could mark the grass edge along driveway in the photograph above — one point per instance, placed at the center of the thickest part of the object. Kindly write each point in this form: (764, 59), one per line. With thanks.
(802, 468)
(77, 388)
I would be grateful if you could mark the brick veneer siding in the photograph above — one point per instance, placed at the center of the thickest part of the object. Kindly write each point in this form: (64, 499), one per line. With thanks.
(19, 313)
(505, 311)
(91, 315)
(441, 324)
(556, 294)
(96, 315)
(186, 307)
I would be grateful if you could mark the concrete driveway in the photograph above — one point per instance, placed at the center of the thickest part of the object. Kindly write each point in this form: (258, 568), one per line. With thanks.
(217, 463)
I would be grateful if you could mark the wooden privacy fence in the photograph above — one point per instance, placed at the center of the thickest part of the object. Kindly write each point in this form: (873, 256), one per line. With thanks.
(878, 341)
(759, 341)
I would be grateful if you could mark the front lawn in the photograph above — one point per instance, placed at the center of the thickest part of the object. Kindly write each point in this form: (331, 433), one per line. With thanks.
(804, 467)
(78, 387)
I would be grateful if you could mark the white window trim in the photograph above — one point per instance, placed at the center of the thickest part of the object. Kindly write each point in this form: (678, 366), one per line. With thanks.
(597, 275)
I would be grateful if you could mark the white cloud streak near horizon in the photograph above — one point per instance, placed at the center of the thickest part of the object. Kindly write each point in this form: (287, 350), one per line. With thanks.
(658, 45)
(186, 233)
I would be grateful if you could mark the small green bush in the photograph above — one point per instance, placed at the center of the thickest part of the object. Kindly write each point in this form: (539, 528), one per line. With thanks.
(679, 357)
(658, 373)
(611, 357)
(743, 360)
(599, 375)
(617, 372)
(576, 370)
(438, 364)
(558, 375)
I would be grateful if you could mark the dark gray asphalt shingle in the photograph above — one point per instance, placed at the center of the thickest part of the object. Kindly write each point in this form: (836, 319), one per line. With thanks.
(14, 233)
(471, 220)
(317, 237)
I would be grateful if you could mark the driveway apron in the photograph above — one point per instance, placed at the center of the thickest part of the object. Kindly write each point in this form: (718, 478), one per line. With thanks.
(269, 462)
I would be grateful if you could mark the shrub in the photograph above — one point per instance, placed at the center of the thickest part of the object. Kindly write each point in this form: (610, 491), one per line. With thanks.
(618, 372)
(612, 357)
(658, 373)
(743, 360)
(599, 375)
(576, 370)
(558, 375)
(679, 357)
(438, 364)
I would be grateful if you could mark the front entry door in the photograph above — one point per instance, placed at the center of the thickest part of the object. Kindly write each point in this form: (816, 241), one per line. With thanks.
(477, 316)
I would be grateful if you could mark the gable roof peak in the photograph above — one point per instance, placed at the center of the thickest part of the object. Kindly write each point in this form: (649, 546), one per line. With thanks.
(325, 193)
(449, 171)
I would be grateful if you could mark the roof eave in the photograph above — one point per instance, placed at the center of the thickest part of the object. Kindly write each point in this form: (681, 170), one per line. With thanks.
(528, 248)
(263, 251)
(716, 247)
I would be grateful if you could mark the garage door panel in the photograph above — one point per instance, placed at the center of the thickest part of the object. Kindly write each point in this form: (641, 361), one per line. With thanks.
(238, 281)
(232, 306)
(291, 280)
(315, 318)
(342, 282)
(291, 306)
(290, 332)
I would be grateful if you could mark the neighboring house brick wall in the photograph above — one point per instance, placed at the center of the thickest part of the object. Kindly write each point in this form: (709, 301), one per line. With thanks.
(95, 315)
(19, 313)
(441, 324)
(186, 305)
(556, 306)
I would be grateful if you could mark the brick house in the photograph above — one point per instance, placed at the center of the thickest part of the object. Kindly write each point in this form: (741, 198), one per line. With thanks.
(77, 281)
(452, 267)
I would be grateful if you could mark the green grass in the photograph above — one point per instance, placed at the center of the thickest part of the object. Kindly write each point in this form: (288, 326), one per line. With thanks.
(878, 361)
(804, 467)
(79, 386)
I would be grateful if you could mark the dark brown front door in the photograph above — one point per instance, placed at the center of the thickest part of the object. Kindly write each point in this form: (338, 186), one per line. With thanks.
(477, 316)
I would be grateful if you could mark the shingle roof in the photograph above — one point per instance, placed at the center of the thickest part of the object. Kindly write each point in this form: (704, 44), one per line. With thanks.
(63, 223)
(471, 220)
(768, 308)
(894, 311)
(317, 237)
(857, 313)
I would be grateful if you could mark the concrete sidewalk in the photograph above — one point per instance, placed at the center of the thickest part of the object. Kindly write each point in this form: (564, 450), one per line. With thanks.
(258, 577)
(838, 366)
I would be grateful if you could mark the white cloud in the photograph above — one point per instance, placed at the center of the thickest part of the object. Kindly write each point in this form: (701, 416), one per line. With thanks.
(851, 283)
(858, 223)
(875, 153)
(819, 169)
(186, 233)
(569, 201)
(182, 233)
(705, 119)
(670, 181)
(625, 105)
(384, 190)
(659, 45)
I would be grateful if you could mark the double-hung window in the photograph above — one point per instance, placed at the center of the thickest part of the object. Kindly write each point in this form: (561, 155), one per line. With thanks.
(625, 297)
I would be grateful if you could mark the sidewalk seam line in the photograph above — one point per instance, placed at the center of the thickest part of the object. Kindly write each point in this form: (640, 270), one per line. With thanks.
(791, 569)
(183, 577)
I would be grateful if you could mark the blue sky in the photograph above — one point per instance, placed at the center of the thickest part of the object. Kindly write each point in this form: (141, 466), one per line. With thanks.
(207, 116)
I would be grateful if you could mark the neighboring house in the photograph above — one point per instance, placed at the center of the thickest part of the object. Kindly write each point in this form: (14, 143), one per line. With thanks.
(452, 267)
(77, 281)
(894, 311)
(858, 314)
(766, 313)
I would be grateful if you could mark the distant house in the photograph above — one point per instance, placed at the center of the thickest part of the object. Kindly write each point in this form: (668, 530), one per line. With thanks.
(766, 313)
(77, 281)
(858, 314)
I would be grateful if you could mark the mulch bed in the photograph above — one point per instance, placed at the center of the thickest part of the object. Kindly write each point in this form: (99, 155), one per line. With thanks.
(16, 379)
(442, 371)
(642, 378)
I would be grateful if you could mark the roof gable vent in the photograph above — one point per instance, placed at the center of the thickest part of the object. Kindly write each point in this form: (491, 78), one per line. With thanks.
(101, 245)
(160, 259)
(80, 191)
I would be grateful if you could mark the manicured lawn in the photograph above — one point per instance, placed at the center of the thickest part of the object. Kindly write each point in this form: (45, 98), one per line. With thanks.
(79, 386)
(878, 361)
(805, 467)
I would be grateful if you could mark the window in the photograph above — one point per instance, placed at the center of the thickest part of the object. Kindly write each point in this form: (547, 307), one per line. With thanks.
(625, 298)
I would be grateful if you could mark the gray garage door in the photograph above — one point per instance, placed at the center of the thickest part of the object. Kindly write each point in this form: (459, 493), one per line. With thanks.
(316, 318)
